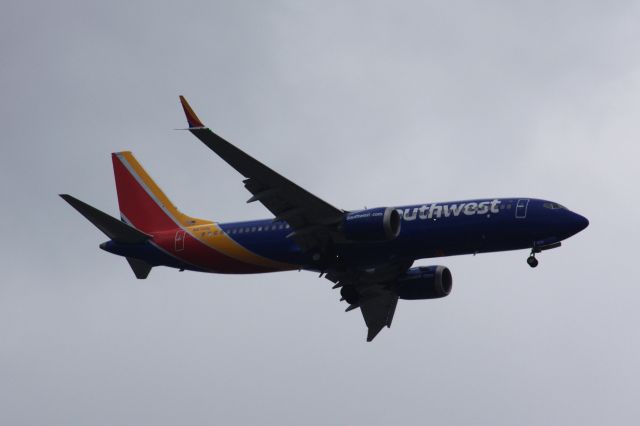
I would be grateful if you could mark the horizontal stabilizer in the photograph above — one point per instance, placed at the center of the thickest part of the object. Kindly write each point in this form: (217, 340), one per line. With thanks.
(140, 268)
(112, 227)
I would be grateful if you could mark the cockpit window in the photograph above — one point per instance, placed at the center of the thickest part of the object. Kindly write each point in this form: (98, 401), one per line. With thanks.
(553, 206)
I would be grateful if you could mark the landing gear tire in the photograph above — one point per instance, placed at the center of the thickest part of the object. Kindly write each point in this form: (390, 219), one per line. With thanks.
(532, 261)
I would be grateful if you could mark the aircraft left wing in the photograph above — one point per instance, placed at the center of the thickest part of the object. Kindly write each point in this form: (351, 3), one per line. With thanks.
(313, 220)
(378, 307)
(376, 289)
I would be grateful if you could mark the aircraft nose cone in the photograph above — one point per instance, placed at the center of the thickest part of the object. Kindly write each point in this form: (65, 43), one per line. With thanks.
(580, 222)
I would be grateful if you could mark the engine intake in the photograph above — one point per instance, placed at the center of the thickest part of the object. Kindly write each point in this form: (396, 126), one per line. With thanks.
(379, 224)
(425, 282)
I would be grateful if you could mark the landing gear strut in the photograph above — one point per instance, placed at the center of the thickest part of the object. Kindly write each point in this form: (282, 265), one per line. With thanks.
(539, 247)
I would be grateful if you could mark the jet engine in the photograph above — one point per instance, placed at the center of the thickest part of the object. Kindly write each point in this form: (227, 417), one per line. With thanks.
(379, 224)
(425, 282)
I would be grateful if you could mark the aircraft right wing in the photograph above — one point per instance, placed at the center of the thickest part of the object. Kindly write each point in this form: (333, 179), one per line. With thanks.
(314, 224)
(313, 220)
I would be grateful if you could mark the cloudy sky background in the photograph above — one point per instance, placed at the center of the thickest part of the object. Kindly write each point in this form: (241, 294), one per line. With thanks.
(363, 103)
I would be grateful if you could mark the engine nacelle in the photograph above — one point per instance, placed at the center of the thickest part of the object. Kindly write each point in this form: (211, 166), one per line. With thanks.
(425, 282)
(379, 224)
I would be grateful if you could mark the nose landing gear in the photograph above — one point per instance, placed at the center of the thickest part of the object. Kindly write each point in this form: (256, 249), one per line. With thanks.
(538, 247)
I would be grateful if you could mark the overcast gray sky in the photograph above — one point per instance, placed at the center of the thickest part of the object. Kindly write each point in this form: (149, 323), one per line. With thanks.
(363, 103)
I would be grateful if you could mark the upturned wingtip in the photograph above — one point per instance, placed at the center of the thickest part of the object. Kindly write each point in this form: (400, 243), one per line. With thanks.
(192, 118)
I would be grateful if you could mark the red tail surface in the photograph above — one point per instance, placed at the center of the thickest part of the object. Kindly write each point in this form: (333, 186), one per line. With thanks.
(142, 202)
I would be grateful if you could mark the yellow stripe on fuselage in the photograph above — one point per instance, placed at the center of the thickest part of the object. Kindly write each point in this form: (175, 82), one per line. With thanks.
(213, 236)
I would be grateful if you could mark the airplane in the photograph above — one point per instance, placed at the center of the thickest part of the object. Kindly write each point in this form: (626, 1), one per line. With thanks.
(368, 254)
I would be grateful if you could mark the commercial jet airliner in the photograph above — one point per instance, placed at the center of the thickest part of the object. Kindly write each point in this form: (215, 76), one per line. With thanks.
(368, 254)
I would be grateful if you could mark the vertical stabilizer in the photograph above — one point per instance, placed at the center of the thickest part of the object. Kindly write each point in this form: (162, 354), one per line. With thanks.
(142, 203)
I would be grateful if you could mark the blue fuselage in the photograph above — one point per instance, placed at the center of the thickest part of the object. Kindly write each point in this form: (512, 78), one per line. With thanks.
(432, 230)
(427, 231)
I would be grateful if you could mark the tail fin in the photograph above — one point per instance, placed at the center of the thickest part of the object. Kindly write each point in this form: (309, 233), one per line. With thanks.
(110, 226)
(142, 202)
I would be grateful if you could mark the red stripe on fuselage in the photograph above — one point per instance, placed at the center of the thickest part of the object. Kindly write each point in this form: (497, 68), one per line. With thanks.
(195, 252)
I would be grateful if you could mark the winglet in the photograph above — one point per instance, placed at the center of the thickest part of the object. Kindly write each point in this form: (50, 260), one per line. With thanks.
(192, 118)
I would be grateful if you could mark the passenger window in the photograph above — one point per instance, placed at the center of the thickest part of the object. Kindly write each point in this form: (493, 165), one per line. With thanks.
(260, 228)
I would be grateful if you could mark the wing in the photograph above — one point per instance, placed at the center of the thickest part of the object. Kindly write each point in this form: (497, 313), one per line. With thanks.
(313, 221)
(378, 307)
(373, 291)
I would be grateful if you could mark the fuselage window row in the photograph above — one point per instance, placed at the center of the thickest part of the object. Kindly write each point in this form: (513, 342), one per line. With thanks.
(248, 230)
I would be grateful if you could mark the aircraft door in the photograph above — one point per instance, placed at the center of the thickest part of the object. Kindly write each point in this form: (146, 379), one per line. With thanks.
(521, 208)
(179, 240)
